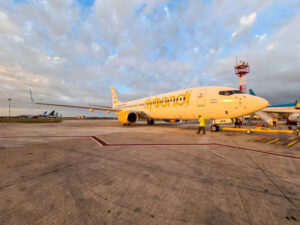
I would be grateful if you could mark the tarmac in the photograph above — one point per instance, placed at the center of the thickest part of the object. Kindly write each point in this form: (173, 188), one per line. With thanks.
(100, 172)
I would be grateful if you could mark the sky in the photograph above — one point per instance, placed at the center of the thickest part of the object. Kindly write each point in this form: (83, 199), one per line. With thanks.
(72, 51)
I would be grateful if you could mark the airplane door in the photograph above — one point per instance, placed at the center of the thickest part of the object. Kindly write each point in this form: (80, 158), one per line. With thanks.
(201, 98)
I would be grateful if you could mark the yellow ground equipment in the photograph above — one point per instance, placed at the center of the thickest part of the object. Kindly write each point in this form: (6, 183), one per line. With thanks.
(258, 129)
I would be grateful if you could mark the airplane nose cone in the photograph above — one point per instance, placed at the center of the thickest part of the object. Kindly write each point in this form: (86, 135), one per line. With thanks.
(262, 103)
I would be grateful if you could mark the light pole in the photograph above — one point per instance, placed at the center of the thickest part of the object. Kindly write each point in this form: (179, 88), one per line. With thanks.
(9, 100)
(298, 107)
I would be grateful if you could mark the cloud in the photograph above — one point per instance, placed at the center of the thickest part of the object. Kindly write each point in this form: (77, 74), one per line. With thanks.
(270, 47)
(248, 20)
(69, 53)
(261, 37)
(6, 26)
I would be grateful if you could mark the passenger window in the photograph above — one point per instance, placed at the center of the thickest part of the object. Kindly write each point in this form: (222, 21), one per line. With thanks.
(222, 92)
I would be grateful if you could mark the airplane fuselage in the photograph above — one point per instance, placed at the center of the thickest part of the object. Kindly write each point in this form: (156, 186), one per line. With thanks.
(214, 102)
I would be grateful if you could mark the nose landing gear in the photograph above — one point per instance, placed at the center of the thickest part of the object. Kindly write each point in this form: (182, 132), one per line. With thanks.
(214, 128)
(150, 122)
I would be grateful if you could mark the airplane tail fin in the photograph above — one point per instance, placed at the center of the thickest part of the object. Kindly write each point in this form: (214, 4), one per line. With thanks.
(31, 98)
(252, 92)
(115, 100)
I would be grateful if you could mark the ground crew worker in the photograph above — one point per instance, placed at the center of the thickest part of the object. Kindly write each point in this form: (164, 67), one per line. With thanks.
(201, 124)
(274, 122)
(236, 122)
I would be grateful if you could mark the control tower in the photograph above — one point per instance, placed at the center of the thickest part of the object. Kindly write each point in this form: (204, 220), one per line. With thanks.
(241, 70)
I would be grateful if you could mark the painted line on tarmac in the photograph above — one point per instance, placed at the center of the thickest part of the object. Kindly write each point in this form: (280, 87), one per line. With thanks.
(272, 141)
(259, 151)
(94, 138)
(99, 141)
(105, 144)
(287, 142)
(203, 144)
(292, 143)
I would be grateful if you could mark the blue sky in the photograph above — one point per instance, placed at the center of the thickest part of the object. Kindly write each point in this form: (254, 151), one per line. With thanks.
(72, 51)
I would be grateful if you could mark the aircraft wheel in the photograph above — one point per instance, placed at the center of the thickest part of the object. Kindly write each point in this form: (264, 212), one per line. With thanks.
(214, 128)
(150, 122)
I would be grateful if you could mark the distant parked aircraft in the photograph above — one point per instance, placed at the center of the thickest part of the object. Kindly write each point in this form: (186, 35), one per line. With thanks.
(289, 108)
(52, 114)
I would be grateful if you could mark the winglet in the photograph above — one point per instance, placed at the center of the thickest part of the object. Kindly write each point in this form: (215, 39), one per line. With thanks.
(31, 96)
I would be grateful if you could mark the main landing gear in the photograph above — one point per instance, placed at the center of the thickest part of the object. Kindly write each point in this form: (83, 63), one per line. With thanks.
(150, 121)
(214, 128)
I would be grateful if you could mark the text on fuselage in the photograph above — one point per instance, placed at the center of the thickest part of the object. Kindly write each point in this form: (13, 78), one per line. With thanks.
(180, 100)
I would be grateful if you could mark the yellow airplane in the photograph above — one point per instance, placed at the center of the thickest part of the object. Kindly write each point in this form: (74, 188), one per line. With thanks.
(213, 103)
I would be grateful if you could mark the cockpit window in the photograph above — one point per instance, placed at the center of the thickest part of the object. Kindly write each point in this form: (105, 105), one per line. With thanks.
(230, 92)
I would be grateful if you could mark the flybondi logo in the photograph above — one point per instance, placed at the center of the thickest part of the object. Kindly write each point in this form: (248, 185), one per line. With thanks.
(179, 100)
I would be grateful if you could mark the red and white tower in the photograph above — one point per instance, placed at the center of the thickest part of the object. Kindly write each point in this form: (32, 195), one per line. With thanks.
(242, 70)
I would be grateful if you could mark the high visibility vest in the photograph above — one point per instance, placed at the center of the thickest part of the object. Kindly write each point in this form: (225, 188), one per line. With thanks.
(201, 122)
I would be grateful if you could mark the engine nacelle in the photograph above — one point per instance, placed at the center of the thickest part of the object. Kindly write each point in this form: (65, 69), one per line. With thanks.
(127, 117)
(172, 121)
(294, 117)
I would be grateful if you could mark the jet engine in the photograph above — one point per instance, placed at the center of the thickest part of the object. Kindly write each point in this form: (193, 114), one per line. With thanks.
(294, 117)
(172, 121)
(127, 117)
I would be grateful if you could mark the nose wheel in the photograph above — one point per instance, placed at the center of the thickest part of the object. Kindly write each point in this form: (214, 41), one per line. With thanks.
(150, 122)
(214, 128)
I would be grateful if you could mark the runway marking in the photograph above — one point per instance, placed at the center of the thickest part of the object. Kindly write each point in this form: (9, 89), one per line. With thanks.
(292, 143)
(272, 141)
(99, 141)
(216, 144)
(105, 144)
(287, 142)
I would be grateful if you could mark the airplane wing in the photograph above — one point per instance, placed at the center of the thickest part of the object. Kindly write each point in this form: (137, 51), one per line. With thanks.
(90, 108)
(100, 106)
